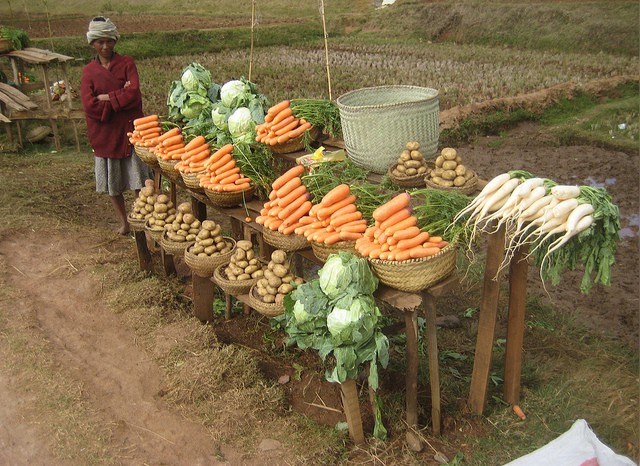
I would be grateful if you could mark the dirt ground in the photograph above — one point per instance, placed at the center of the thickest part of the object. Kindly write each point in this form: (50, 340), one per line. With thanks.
(122, 382)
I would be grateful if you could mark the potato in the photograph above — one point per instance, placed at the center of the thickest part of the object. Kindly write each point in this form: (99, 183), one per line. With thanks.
(411, 171)
(269, 298)
(449, 165)
(251, 256)
(417, 155)
(208, 224)
(437, 172)
(397, 173)
(222, 245)
(272, 290)
(242, 264)
(288, 278)
(446, 183)
(405, 155)
(162, 199)
(160, 208)
(210, 250)
(195, 224)
(188, 218)
(244, 245)
(448, 175)
(258, 274)
(279, 256)
(170, 218)
(244, 276)
(253, 261)
(178, 238)
(299, 281)
(401, 169)
(449, 153)
(218, 238)
(412, 145)
(184, 208)
(413, 164)
(422, 170)
(261, 290)
(459, 181)
(439, 161)
(285, 288)
(461, 170)
(190, 237)
(251, 268)
(437, 180)
(280, 270)
(204, 234)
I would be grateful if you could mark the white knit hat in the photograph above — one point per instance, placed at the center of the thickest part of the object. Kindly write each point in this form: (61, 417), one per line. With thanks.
(101, 27)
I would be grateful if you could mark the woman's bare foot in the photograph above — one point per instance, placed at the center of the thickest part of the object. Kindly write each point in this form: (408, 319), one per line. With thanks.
(124, 230)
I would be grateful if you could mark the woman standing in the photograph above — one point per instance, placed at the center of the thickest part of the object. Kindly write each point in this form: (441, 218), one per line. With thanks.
(110, 93)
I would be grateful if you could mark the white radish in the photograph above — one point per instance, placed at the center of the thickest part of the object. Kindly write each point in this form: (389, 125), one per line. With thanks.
(584, 223)
(493, 185)
(564, 192)
(564, 208)
(578, 214)
(535, 208)
(535, 195)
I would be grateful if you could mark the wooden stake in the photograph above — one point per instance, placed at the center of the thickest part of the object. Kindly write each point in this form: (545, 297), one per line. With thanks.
(46, 7)
(253, 22)
(326, 46)
(351, 405)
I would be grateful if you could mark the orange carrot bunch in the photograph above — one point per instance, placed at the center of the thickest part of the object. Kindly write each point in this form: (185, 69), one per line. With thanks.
(194, 155)
(288, 202)
(280, 125)
(221, 172)
(170, 145)
(145, 131)
(395, 235)
(335, 218)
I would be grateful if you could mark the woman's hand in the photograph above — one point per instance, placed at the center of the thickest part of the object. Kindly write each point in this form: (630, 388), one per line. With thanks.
(103, 97)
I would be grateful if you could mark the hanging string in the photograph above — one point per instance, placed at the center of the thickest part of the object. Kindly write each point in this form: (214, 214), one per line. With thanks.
(253, 22)
(326, 46)
(46, 6)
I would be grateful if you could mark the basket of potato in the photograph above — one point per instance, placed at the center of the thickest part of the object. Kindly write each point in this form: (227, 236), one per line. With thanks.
(142, 207)
(267, 295)
(181, 232)
(242, 272)
(410, 168)
(450, 174)
(163, 212)
(209, 250)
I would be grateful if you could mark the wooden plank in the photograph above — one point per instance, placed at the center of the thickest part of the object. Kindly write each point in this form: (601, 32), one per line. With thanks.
(518, 272)
(18, 96)
(144, 256)
(486, 322)
(36, 56)
(431, 339)
(412, 364)
(351, 406)
(203, 290)
(11, 103)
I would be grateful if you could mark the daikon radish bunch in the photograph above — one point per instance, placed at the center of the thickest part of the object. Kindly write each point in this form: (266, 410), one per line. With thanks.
(336, 218)
(411, 162)
(278, 280)
(449, 170)
(184, 227)
(395, 235)
(144, 203)
(163, 212)
(288, 202)
(209, 240)
(243, 264)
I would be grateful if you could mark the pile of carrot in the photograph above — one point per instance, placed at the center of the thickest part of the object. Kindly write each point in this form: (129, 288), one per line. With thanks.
(395, 235)
(336, 218)
(145, 131)
(221, 173)
(170, 145)
(280, 125)
(288, 202)
(195, 154)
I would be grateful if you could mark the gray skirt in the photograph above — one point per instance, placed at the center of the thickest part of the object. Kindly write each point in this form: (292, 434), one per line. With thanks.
(115, 176)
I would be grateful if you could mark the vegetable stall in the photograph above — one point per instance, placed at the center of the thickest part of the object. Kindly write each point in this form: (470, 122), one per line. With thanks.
(384, 224)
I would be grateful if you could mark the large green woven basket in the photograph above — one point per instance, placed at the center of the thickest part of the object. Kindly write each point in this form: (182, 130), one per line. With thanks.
(377, 123)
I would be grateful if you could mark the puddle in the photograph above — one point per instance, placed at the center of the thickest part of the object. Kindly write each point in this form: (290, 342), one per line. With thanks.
(595, 183)
(632, 223)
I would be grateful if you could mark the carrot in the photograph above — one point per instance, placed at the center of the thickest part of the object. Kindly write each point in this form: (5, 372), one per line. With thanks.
(243, 179)
(195, 142)
(348, 209)
(294, 171)
(290, 207)
(292, 195)
(415, 241)
(174, 147)
(353, 227)
(395, 218)
(289, 186)
(406, 233)
(284, 123)
(290, 229)
(420, 252)
(357, 215)
(518, 410)
(151, 124)
(172, 132)
(319, 236)
(260, 219)
(226, 167)
(336, 194)
(400, 255)
(226, 174)
(196, 155)
(375, 252)
(170, 141)
(234, 188)
(274, 224)
(281, 115)
(213, 166)
(230, 179)
(285, 129)
(294, 133)
(349, 235)
(327, 211)
(298, 213)
(145, 119)
(332, 239)
(435, 239)
(392, 206)
(401, 225)
(226, 149)
(277, 108)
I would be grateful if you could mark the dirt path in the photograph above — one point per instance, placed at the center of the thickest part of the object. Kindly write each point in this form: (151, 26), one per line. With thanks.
(96, 351)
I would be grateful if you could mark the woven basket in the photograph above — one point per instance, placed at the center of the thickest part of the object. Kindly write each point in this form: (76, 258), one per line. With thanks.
(224, 199)
(146, 155)
(175, 248)
(192, 182)
(468, 188)
(377, 123)
(415, 181)
(5, 45)
(232, 287)
(415, 274)
(154, 232)
(168, 168)
(322, 251)
(136, 224)
(266, 309)
(287, 243)
(205, 266)
(295, 144)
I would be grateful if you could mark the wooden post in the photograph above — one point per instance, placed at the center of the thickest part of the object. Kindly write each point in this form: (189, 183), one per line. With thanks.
(434, 365)
(202, 297)
(518, 271)
(52, 121)
(167, 263)
(144, 256)
(486, 322)
(199, 209)
(411, 376)
(351, 406)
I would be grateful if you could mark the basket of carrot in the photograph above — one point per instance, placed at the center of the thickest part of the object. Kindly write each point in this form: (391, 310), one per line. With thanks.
(145, 134)
(402, 255)
(283, 132)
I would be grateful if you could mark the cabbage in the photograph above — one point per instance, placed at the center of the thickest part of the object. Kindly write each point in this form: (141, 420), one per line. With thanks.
(194, 105)
(195, 77)
(234, 93)
(241, 126)
(346, 273)
(219, 116)
(300, 314)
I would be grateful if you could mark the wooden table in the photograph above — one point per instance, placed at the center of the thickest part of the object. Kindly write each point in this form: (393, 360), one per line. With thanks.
(409, 304)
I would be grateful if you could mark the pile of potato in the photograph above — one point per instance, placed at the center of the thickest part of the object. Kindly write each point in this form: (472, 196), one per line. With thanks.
(143, 205)
(184, 227)
(164, 212)
(244, 265)
(449, 171)
(209, 240)
(411, 162)
(277, 279)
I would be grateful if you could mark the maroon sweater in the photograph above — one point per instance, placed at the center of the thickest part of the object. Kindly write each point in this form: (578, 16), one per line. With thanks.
(109, 122)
